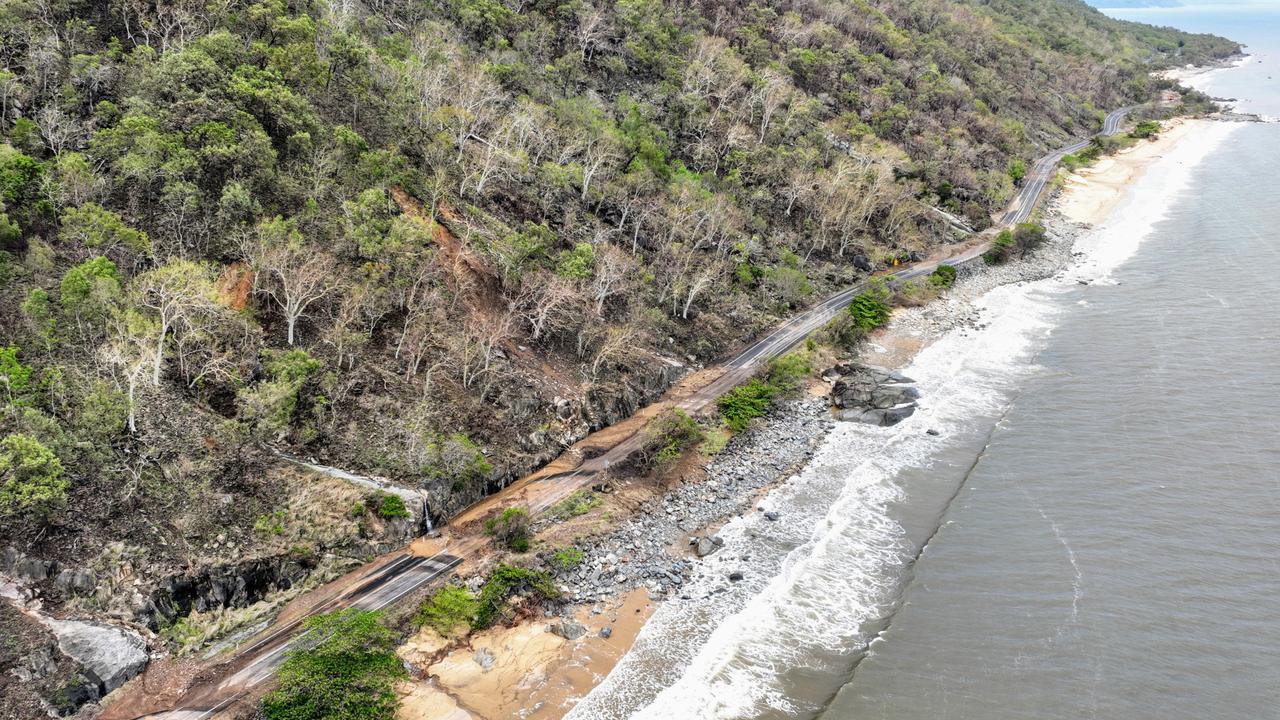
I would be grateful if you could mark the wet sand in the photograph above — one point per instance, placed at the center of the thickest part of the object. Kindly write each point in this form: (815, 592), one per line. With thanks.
(532, 672)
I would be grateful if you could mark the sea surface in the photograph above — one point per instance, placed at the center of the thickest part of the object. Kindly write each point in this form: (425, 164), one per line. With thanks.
(1093, 532)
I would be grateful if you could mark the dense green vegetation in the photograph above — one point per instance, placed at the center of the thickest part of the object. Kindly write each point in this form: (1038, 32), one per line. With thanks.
(1014, 243)
(432, 241)
(741, 405)
(345, 670)
(506, 582)
(448, 609)
(944, 276)
(870, 308)
(667, 436)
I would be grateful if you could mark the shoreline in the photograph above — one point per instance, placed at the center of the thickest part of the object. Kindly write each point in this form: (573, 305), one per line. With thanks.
(549, 680)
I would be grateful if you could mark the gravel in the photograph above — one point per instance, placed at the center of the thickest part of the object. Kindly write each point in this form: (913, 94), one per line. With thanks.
(957, 309)
(638, 553)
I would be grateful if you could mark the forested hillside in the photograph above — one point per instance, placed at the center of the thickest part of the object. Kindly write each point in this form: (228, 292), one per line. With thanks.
(439, 241)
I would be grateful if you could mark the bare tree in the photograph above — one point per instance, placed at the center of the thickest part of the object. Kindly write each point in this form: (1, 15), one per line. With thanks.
(548, 303)
(478, 345)
(614, 273)
(289, 271)
(770, 94)
(59, 130)
(618, 342)
(181, 294)
(688, 273)
(131, 351)
(592, 31)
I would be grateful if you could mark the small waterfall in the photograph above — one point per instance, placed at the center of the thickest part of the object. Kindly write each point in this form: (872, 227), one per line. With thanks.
(426, 516)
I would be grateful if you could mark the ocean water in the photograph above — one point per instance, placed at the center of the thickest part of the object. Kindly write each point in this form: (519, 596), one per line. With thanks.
(1095, 530)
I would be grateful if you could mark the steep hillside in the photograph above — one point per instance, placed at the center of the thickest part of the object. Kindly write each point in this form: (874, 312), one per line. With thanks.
(439, 241)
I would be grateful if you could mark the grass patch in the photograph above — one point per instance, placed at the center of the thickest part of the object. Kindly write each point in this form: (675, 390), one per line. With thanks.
(714, 439)
(566, 558)
(579, 503)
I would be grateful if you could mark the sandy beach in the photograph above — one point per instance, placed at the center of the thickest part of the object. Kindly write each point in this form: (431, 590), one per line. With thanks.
(1091, 194)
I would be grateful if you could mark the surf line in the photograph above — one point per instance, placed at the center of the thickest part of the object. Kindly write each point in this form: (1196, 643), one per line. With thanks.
(946, 509)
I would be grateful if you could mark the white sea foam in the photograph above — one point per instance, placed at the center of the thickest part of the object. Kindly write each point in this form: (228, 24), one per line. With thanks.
(836, 561)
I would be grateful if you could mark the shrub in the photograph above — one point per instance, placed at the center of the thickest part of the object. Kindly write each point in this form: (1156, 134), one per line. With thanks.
(786, 372)
(944, 276)
(448, 609)
(14, 376)
(390, 506)
(566, 558)
(578, 263)
(31, 480)
(90, 290)
(870, 309)
(1145, 129)
(741, 405)
(667, 436)
(1001, 248)
(510, 529)
(345, 668)
(455, 457)
(270, 407)
(1028, 237)
(508, 581)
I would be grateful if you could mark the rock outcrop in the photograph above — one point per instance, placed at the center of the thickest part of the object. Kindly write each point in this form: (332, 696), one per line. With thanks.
(872, 395)
(112, 655)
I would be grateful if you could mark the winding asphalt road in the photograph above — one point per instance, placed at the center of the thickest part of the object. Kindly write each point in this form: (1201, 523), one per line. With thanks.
(388, 580)
(1043, 170)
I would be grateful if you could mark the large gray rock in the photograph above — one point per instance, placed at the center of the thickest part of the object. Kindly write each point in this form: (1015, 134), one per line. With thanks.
(113, 655)
(873, 395)
(704, 546)
(80, 581)
(569, 629)
(876, 416)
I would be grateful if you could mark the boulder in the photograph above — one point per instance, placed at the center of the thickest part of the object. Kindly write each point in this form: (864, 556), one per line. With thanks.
(569, 629)
(111, 654)
(484, 658)
(876, 416)
(80, 581)
(704, 545)
(873, 395)
(31, 569)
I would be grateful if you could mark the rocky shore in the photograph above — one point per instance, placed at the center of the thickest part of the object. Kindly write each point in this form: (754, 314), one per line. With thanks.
(658, 546)
(957, 308)
(654, 549)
